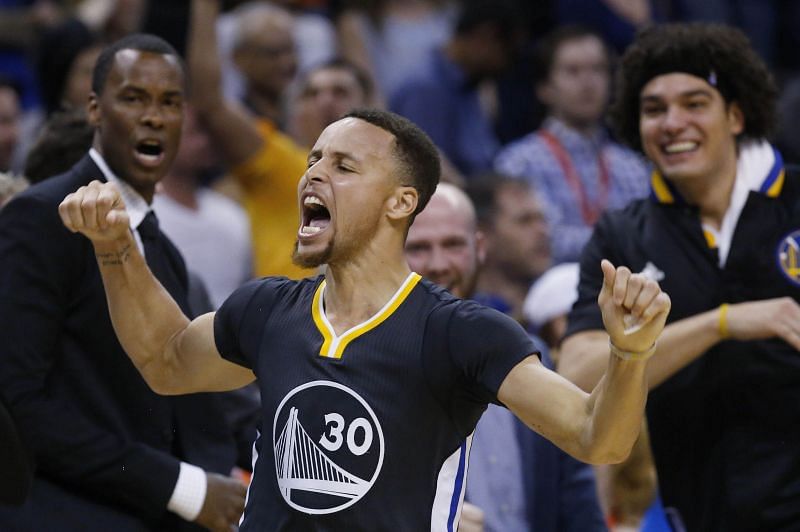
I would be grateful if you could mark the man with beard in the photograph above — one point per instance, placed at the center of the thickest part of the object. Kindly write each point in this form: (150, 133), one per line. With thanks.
(371, 380)
(518, 480)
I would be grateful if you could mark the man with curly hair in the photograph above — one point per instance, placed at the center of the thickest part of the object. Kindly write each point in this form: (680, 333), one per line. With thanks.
(721, 233)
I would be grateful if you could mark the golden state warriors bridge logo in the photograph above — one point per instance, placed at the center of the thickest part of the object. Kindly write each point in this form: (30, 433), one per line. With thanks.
(328, 447)
(789, 256)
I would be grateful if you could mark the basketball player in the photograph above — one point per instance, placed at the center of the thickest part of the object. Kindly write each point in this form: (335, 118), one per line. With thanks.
(372, 380)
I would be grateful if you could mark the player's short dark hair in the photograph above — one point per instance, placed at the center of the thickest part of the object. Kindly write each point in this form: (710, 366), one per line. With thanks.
(415, 151)
(339, 63)
(483, 191)
(143, 42)
(544, 53)
(63, 141)
(719, 54)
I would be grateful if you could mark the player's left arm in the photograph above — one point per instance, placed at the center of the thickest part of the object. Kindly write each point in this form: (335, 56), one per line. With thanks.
(600, 427)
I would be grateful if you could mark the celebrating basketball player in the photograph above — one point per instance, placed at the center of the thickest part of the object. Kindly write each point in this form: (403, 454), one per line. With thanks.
(372, 380)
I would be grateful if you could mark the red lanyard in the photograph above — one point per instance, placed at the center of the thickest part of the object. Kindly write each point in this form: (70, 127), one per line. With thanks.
(589, 212)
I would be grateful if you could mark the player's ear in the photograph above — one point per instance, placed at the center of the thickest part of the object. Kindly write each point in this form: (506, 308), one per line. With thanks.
(93, 109)
(403, 203)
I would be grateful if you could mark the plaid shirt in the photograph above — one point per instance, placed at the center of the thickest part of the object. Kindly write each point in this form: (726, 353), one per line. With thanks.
(531, 159)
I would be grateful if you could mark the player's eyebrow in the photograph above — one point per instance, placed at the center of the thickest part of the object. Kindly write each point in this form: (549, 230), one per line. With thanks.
(338, 155)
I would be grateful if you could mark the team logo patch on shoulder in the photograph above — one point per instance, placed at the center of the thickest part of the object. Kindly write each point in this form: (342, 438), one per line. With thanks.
(789, 256)
(328, 447)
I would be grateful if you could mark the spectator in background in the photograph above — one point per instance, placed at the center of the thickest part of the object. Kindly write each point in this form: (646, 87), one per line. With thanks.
(616, 20)
(517, 241)
(210, 230)
(67, 56)
(265, 163)
(10, 116)
(63, 141)
(390, 39)
(111, 454)
(10, 186)
(324, 94)
(548, 302)
(517, 481)
(264, 53)
(721, 233)
(571, 162)
(443, 98)
(313, 35)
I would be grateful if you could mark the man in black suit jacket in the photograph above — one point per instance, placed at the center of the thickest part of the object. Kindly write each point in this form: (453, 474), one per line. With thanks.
(110, 453)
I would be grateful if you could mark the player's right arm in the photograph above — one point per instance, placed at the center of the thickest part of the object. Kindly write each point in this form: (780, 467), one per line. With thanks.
(174, 355)
(229, 124)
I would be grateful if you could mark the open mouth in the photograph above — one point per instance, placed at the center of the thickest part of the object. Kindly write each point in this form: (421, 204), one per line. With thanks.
(149, 152)
(316, 217)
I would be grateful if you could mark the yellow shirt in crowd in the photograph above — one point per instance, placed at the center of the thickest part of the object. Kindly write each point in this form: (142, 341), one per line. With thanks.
(269, 179)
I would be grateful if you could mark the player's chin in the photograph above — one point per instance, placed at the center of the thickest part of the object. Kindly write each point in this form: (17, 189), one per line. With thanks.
(307, 257)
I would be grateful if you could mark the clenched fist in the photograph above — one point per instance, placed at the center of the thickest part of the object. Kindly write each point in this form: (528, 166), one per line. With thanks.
(634, 308)
(97, 211)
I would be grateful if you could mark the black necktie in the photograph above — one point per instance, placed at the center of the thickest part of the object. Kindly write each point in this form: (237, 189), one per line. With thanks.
(163, 261)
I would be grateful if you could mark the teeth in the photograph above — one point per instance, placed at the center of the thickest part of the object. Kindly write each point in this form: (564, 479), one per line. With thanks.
(309, 230)
(312, 200)
(680, 147)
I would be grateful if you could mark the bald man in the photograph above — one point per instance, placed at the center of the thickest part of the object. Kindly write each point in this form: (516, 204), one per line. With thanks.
(517, 480)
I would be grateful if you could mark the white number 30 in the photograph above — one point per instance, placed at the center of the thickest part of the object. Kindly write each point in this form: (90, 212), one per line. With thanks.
(332, 438)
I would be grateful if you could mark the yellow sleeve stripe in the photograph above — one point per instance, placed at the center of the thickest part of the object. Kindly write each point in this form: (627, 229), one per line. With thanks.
(333, 346)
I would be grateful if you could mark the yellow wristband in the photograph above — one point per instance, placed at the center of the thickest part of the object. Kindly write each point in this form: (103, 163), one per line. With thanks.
(632, 355)
(723, 321)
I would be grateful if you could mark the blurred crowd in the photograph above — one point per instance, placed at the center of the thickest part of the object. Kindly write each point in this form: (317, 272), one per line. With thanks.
(515, 96)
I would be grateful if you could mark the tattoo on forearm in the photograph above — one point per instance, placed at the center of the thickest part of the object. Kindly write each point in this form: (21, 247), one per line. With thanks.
(115, 258)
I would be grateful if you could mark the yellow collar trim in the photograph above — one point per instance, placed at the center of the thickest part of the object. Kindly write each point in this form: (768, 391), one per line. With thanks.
(775, 189)
(660, 188)
(333, 346)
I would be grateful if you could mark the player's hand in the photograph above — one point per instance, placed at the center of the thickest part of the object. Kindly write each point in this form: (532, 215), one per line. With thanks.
(471, 518)
(634, 308)
(224, 503)
(97, 211)
(770, 318)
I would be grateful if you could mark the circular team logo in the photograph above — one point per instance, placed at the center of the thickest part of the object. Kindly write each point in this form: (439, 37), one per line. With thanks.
(328, 447)
(789, 256)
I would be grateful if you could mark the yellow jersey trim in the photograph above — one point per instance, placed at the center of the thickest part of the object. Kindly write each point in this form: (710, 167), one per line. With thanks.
(775, 189)
(660, 188)
(711, 240)
(333, 346)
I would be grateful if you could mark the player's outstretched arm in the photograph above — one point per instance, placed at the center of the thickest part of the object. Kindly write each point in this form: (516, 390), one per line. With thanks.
(174, 355)
(601, 427)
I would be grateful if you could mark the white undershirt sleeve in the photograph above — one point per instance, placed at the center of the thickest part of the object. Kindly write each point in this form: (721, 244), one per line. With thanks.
(190, 492)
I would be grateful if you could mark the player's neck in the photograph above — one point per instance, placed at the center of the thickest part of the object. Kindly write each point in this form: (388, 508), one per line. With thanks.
(357, 289)
(711, 195)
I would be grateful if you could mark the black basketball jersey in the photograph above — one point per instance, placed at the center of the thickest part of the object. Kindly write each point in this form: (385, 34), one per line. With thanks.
(370, 429)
